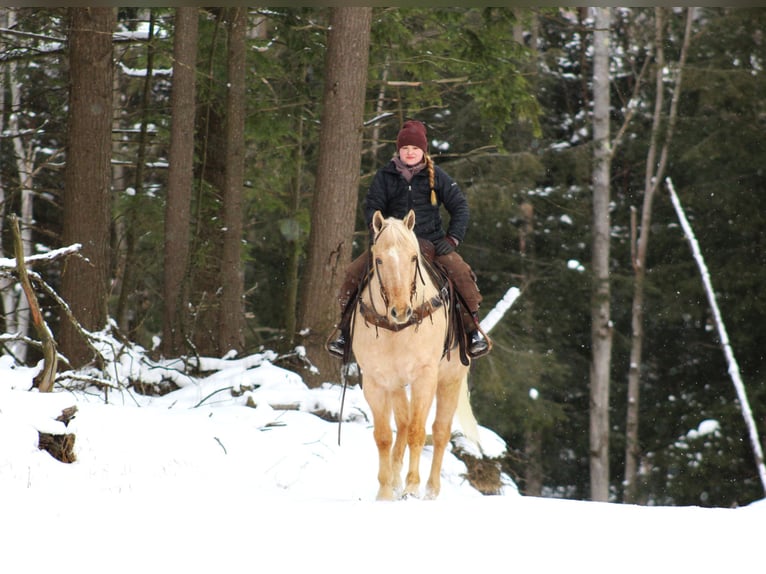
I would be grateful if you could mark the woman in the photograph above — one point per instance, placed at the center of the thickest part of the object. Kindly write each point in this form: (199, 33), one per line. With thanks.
(412, 181)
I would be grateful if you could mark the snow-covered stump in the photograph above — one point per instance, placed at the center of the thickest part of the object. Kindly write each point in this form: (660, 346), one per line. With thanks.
(60, 445)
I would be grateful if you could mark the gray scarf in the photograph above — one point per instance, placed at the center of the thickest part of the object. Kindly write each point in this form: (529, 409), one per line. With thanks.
(408, 172)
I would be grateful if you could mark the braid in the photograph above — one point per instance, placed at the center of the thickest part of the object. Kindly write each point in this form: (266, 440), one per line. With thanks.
(431, 177)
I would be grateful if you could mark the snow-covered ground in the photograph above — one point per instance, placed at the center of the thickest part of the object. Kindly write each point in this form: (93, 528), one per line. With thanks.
(234, 472)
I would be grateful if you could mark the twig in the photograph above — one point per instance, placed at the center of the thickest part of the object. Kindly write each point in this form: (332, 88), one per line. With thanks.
(50, 358)
(211, 394)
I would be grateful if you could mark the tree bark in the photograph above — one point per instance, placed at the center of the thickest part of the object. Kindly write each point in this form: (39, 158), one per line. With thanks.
(601, 323)
(180, 180)
(232, 287)
(86, 204)
(333, 214)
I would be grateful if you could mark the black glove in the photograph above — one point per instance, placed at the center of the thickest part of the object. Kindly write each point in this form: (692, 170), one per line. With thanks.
(445, 245)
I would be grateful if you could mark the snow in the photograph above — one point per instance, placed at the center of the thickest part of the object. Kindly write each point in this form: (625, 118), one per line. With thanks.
(234, 472)
(706, 427)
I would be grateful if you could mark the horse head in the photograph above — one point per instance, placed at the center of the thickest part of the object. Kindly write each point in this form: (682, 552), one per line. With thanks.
(396, 261)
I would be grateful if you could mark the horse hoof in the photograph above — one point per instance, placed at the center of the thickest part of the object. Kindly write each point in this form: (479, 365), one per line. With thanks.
(385, 494)
(411, 492)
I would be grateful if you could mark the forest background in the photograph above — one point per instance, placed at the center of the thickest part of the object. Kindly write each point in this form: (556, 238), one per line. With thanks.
(247, 156)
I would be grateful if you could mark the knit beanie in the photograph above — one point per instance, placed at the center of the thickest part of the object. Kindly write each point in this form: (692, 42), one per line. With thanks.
(412, 133)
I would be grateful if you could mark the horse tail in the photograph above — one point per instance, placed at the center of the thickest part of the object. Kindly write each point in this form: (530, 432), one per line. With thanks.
(465, 413)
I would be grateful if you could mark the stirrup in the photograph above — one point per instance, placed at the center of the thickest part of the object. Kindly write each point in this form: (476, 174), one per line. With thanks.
(337, 347)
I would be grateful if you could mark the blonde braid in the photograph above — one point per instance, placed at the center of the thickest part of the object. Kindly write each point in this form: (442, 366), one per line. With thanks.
(431, 177)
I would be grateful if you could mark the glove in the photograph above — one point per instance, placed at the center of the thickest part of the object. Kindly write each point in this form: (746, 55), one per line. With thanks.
(445, 245)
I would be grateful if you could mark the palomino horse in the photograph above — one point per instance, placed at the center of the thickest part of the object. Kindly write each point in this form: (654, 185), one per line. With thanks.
(399, 335)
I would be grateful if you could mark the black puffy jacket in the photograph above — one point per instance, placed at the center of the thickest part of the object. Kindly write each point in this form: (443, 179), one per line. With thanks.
(394, 197)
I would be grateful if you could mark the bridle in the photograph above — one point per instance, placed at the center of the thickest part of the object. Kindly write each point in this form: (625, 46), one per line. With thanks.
(424, 310)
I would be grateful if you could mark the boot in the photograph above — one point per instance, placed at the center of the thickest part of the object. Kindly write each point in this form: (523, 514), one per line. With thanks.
(478, 344)
(337, 347)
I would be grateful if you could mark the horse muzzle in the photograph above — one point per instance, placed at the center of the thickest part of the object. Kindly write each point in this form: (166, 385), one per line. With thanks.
(401, 314)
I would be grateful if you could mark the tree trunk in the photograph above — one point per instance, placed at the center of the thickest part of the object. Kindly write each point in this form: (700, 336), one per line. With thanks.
(231, 316)
(16, 312)
(180, 180)
(207, 236)
(334, 208)
(652, 178)
(294, 239)
(533, 427)
(601, 323)
(135, 205)
(86, 205)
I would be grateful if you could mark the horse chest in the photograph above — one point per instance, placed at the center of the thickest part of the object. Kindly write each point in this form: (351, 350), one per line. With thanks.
(398, 359)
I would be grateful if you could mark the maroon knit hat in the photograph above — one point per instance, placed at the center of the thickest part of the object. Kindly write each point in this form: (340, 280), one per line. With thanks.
(412, 133)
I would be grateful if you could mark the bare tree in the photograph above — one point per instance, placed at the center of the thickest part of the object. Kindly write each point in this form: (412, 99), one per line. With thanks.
(16, 311)
(333, 214)
(654, 174)
(601, 322)
(87, 178)
(231, 316)
(180, 178)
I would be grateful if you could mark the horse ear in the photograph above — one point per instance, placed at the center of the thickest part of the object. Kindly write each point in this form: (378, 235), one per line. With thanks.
(377, 222)
(409, 220)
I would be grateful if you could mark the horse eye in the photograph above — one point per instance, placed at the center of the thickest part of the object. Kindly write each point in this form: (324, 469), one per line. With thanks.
(378, 261)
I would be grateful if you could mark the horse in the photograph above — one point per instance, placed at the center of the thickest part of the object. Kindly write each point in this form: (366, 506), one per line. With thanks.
(399, 331)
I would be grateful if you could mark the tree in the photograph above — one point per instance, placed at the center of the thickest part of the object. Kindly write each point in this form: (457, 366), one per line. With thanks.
(136, 203)
(16, 311)
(180, 179)
(654, 175)
(601, 322)
(87, 177)
(333, 214)
(230, 318)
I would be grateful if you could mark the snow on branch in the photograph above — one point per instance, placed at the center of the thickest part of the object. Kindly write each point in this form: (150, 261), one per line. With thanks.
(497, 312)
(7, 263)
(722, 334)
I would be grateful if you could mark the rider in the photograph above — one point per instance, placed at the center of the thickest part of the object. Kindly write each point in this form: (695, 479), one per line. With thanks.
(411, 180)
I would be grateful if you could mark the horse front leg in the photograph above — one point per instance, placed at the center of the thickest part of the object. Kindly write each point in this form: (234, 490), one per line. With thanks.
(422, 396)
(446, 403)
(380, 404)
(401, 406)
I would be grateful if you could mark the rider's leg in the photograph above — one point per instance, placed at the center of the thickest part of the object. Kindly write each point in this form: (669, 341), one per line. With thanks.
(348, 289)
(464, 280)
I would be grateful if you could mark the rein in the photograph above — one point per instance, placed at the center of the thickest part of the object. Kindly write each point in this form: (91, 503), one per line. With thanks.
(423, 312)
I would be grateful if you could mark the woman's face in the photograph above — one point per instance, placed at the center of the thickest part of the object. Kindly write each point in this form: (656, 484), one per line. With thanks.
(411, 155)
